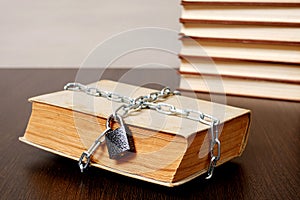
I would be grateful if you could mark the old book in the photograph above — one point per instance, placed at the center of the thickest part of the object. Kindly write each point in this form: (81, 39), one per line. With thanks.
(244, 33)
(276, 72)
(241, 87)
(169, 150)
(241, 51)
(241, 14)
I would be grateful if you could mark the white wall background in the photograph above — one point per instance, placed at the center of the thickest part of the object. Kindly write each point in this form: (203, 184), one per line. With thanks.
(52, 33)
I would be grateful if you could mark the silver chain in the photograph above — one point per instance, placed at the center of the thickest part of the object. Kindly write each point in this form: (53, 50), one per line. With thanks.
(150, 101)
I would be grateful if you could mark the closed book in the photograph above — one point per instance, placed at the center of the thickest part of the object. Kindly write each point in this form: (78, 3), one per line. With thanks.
(169, 149)
(243, 33)
(239, 86)
(268, 71)
(241, 51)
(269, 14)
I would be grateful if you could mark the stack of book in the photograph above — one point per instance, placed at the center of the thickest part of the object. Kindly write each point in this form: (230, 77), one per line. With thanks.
(249, 48)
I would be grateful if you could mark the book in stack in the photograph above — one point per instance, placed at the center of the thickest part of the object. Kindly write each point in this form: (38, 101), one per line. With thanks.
(250, 47)
(169, 150)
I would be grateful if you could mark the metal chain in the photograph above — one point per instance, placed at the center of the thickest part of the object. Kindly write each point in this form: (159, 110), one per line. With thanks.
(150, 101)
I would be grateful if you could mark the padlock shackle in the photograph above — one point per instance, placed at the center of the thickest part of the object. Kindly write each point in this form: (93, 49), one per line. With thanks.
(114, 117)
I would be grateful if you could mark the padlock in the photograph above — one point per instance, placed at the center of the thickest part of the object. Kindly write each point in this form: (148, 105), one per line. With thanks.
(118, 141)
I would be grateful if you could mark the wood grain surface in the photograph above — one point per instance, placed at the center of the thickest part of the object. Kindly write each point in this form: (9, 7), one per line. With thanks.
(268, 169)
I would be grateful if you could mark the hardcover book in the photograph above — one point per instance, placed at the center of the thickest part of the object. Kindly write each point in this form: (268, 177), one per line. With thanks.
(169, 150)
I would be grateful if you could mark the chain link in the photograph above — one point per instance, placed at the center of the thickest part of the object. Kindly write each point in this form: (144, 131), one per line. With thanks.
(150, 101)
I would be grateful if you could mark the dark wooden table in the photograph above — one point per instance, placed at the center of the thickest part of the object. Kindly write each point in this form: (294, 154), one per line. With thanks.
(268, 169)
